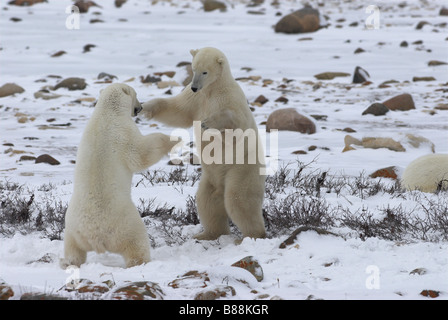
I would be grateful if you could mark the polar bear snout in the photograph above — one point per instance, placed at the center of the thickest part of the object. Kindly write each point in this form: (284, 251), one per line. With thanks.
(194, 89)
(137, 108)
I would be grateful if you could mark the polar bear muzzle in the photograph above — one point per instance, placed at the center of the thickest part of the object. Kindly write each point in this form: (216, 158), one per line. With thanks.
(137, 107)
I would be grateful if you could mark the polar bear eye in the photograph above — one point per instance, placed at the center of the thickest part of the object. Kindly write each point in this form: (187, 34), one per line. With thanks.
(205, 72)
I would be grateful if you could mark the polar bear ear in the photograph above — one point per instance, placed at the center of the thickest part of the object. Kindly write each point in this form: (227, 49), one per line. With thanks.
(193, 52)
(126, 90)
(220, 60)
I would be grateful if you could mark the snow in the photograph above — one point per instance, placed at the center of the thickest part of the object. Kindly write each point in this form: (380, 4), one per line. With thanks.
(155, 38)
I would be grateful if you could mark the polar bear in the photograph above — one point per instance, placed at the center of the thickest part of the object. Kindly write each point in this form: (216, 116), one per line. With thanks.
(428, 173)
(228, 188)
(101, 215)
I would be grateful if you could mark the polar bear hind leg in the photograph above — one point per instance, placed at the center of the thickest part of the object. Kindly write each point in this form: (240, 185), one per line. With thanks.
(211, 210)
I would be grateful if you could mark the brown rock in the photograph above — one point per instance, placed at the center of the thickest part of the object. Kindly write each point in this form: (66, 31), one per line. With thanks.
(330, 75)
(46, 158)
(9, 89)
(443, 11)
(250, 264)
(58, 54)
(261, 99)
(421, 24)
(119, 3)
(141, 290)
(402, 102)
(84, 5)
(282, 99)
(25, 2)
(71, 84)
(289, 119)
(219, 291)
(5, 292)
(434, 63)
(430, 293)
(377, 109)
(415, 79)
(360, 75)
(377, 143)
(211, 5)
(389, 172)
(300, 21)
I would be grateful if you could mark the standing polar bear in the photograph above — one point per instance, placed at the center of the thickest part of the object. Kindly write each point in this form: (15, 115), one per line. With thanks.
(428, 173)
(231, 185)
(101, 215)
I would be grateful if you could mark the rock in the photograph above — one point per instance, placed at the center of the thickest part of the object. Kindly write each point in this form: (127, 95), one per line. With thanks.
(389, 172)
(421, 24)
(419, 271)
(150, 79)
(45, 158)
(282, 99)
(169, 74)
(8, 89)
(220, 291)
(46, 95)
(360, 75)
(261, 99)
(191, 280)
(25, 2)
(330, 75)
(434, 63)
(441, 106)
(87, 47)
(377, 109)
(418, 141)
(377, 143)
(250, 264)
(373, 143)
(84, 5)
(404, 44)
(300, 21)
(430, 293)
(443, 11)
(6, 291)
(415, 79)
(292, 238)
(71, 84)
(359, 50)
(402, 102)
(211, 5)
(141, 290)
(106, 76)
(119, 3)
(166, 84)
(58, 54)
(289, 119)
(41, 296)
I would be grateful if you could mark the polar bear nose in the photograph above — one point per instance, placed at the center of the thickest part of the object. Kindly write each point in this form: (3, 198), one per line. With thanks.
(194, 89)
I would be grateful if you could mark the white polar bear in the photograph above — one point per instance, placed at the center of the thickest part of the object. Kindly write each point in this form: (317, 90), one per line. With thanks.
(101, 215)
(428, 173)
(228, 188)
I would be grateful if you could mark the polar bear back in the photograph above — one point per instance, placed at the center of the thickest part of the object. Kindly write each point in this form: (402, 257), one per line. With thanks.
(428, 173)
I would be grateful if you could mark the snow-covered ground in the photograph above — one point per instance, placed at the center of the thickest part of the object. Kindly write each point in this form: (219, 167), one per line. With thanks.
(145, 37)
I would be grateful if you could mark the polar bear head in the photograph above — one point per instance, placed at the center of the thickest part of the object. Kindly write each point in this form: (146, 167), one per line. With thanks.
(120, 98)
(208, 66)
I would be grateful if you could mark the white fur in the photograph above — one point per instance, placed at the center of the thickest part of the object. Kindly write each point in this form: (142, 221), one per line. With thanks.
(101, 215)
(427, 173)
(234, 191)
